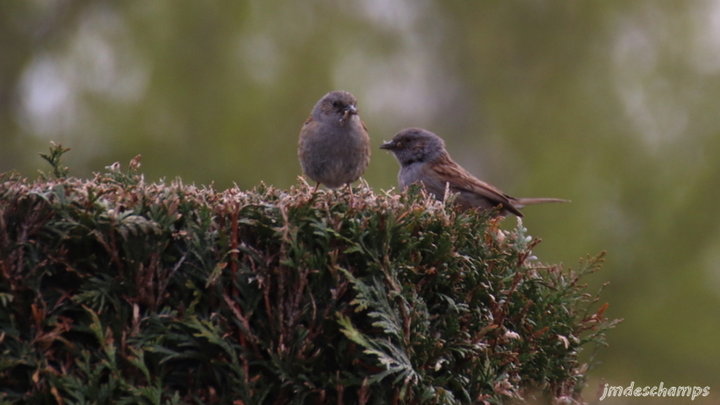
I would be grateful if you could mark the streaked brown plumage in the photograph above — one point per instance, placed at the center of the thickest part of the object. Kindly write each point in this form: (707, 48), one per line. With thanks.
(334, 146)
(423, 159)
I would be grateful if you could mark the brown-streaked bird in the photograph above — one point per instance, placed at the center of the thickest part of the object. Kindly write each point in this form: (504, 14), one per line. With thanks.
(334, 146)
(423, 159)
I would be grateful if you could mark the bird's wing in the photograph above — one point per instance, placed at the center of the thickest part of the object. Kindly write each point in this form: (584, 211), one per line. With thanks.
(461, 181)
(308, 120)
(306, 130)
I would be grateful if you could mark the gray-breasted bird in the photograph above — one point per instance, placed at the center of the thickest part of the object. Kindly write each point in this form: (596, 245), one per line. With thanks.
(334, 146)
(423, 159)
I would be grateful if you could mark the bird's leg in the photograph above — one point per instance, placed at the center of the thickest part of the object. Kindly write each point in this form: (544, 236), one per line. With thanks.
(349, 190)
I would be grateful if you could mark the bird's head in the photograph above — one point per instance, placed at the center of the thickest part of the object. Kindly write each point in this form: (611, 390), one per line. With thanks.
(337, 105)
(413, 145)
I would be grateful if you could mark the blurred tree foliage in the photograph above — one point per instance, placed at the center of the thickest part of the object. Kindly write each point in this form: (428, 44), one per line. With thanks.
(611, 104)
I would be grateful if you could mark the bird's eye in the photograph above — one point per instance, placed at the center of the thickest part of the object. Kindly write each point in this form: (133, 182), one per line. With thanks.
(337, 104)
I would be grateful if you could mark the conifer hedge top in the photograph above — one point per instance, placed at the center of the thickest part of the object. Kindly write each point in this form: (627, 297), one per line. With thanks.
(113, 290)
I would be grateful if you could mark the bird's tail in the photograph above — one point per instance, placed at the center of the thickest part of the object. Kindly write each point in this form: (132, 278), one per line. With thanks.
(521, 202)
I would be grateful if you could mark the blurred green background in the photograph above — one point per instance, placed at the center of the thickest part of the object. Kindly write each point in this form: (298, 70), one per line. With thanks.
(613, 104)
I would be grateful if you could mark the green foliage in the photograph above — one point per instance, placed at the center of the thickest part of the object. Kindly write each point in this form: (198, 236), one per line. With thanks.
(53, 158)
(113, 290)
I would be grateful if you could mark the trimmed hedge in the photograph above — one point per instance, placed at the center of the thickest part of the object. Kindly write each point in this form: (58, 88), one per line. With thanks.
(114, 290)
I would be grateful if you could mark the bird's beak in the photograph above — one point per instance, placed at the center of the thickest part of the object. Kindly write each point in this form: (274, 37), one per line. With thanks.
(349, 110)
(389, 145)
